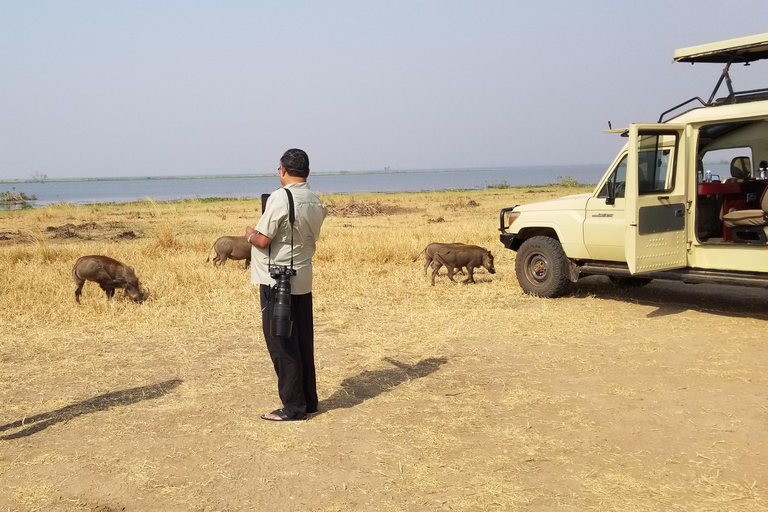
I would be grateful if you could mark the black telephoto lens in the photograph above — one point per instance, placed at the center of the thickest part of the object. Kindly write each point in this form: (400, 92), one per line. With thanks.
(281, 313)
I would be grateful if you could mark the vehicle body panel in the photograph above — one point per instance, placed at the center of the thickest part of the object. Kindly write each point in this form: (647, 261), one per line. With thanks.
(563, 216)
(605, 227)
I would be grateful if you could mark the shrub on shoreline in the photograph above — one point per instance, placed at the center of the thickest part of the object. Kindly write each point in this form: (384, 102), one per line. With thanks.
(11, 196)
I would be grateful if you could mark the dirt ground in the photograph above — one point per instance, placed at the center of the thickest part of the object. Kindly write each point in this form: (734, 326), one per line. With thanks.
(668, 414)
(453, 397)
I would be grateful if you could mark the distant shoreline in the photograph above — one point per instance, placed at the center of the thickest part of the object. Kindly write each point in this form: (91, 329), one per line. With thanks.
(272, 175)
(95, 190)
(228, 176)
(30, 203)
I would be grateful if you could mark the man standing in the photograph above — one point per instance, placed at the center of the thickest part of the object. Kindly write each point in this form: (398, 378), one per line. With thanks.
(278, 242)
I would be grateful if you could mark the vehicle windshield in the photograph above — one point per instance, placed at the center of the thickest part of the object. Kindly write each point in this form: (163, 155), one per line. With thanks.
(616, 181)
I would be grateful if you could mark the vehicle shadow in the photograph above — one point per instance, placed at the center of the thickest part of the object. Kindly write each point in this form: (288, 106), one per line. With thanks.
(371, 383)
(34, 424)
(672, 297)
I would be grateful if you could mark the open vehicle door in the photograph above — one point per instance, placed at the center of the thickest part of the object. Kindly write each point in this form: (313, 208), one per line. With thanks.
(656, 207)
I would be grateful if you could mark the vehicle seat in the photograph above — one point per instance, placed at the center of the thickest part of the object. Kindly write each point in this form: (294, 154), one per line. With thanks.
(749, 226)
(740, 170)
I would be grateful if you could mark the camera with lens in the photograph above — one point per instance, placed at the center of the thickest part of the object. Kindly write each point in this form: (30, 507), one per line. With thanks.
(280, 324)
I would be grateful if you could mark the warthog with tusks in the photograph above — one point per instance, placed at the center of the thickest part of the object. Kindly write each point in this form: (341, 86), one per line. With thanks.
(232, 248)
(470, 256)
(109, 273)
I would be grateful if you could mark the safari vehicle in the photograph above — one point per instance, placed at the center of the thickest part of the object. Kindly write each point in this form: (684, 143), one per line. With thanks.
(657, 214)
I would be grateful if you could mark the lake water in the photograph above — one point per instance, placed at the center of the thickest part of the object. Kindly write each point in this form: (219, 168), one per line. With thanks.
(176, 188)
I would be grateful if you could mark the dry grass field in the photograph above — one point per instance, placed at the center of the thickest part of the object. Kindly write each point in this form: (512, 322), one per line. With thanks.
(453, 397)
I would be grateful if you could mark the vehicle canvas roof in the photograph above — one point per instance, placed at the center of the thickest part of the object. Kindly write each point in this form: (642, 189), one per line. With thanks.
(742, 49)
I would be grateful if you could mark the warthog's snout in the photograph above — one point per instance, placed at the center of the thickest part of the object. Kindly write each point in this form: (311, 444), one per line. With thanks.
(135, 293)
(488, 263)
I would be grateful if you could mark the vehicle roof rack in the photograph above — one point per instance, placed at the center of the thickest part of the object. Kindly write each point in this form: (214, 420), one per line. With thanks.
(741, 50)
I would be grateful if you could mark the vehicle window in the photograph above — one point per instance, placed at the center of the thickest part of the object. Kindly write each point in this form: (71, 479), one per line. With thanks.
(617, 179)
(718, 163)
(656, 165)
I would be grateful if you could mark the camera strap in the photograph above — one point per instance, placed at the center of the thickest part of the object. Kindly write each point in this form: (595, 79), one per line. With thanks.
(291, 219)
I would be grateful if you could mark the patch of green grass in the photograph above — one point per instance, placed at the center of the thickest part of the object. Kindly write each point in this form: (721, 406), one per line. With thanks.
(212, 199)
(501, 186)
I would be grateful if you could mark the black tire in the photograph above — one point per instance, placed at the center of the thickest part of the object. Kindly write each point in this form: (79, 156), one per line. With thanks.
(629, 282)
(540, 266)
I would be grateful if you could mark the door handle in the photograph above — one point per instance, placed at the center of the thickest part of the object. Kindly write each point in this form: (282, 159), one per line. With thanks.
(679, 212)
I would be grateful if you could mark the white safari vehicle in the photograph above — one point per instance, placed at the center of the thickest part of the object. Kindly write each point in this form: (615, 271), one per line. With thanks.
(657, 214)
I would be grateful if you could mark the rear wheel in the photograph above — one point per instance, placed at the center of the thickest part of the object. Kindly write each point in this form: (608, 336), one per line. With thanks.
(540, 267)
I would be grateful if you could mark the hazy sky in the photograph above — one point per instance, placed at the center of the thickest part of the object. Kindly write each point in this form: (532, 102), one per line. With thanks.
(140, 88)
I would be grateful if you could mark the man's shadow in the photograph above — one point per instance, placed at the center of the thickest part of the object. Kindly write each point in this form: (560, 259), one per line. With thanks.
(368, 384)
(35, 424)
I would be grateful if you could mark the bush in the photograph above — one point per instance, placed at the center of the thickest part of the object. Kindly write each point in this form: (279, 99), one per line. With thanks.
(11, 196)
(568, 181)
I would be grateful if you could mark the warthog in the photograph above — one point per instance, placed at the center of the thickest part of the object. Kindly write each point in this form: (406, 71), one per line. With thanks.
(109, 273)
(431, 250)
(470, 256)
(232, 248)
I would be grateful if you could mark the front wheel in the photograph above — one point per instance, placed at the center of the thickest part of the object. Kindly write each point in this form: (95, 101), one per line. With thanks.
(540, 266)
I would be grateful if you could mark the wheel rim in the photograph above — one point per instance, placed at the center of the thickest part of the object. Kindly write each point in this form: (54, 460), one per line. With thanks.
(537, 268)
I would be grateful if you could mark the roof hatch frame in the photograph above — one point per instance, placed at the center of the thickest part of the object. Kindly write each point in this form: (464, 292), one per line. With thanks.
(741, 50)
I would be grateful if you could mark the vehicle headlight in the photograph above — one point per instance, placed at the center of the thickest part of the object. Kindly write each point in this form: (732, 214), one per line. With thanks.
(512, 217)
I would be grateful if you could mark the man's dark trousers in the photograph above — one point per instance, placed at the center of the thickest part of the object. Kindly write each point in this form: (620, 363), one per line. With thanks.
(294, 356)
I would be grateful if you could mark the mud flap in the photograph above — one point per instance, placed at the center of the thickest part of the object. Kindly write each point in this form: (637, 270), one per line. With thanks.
(571, 270)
